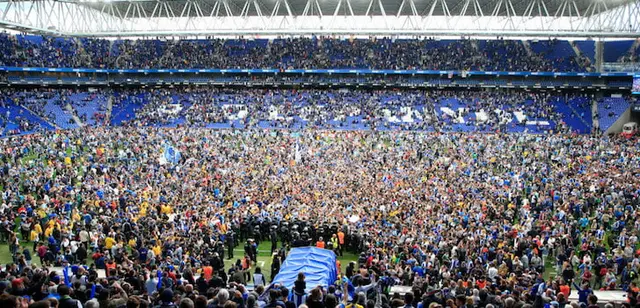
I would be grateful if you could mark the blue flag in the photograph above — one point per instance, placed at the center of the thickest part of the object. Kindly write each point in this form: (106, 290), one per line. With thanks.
(171, 154)
(65, 272)
(159, 280)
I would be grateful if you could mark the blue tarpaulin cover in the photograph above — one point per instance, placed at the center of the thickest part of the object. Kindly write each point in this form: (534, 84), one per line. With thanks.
(318, 266)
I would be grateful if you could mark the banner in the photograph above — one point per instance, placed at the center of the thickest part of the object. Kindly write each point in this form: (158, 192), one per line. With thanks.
(170, 155)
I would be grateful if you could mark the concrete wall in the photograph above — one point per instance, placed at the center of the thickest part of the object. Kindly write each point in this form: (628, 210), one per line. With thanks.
(599, 55)
(616, 128)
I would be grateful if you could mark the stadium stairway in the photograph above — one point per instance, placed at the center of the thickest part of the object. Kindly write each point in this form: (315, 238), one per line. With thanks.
(594, 113)
(87, 105)
(575, 49)
(109, 109)
(581, 115)
(125, 110)
(527, 47)
(59, 116)
(587, 49)
(634, 47)
(73, 115)
(609, 110)
(573, 117)
(474, 43)
(83, 55)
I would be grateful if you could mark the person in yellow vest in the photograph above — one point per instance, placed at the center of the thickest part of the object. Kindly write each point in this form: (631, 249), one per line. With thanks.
(223, 228)
(41, 213)
(109, 242)
(334, 243)
(132, 243)
(320, 243)
(165, 209)
(37, 228)
(53, 223)
(48, 231)
(35, 237)
(157, 249)
(143, 209)
(76, 216)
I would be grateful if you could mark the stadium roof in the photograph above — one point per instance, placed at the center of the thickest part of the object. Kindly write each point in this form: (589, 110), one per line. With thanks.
(359, 7)
(121, 18)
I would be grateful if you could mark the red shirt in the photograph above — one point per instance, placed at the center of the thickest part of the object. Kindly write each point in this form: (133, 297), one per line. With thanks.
(42, 250)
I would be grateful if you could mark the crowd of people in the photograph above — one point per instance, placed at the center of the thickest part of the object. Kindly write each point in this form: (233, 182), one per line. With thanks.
(328, 109)
(143, 215)
(13, 121)
(20, 124)
(369, 109)
(289, 53)
(465, 220)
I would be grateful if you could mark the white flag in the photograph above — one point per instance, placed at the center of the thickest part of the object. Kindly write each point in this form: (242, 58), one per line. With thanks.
(297, 154)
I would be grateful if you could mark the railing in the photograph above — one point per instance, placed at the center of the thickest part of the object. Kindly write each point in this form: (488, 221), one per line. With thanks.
(621, 67)
(314, 71)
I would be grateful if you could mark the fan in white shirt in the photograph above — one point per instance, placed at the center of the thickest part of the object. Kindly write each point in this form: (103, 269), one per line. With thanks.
(74, 246)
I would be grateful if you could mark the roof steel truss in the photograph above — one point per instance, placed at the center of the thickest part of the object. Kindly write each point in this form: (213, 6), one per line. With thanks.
(125, 18)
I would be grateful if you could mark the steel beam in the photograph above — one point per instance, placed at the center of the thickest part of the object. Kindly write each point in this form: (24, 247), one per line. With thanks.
(117, 18)
(382, 32)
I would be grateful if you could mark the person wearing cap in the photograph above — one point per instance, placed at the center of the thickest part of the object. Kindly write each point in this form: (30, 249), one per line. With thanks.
(17, 287)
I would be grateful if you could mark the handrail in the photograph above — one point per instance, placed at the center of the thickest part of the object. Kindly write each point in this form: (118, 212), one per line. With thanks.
(314, 71)
(621, 67)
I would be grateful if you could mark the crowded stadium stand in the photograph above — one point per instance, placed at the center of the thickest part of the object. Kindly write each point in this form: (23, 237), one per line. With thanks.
(16, 120)
(319, 154)
(306, 53)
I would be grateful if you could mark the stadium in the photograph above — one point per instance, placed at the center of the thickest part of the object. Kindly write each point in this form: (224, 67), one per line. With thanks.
(319, 153)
